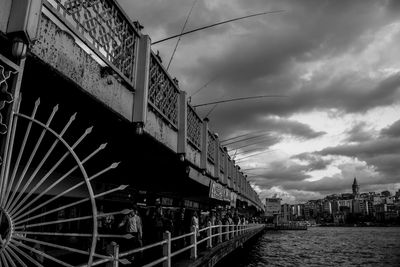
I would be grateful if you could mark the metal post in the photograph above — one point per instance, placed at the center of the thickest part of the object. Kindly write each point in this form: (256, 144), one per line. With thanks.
(226, 227)
(220, 233)
(167, 249)
(209, 235)
(193, 241)
(116, 254)
(142, 81)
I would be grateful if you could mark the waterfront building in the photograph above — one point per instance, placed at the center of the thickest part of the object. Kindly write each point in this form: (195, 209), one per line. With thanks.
(273, 209)
(346, 203)
(327, 207)
(285, 213)
(360, 206)
(398, 194)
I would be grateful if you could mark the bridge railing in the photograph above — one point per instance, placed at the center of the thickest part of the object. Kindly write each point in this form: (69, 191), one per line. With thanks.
(212, 235)
(194, 127)
(103, 27)
(104, 31)
(163, 92)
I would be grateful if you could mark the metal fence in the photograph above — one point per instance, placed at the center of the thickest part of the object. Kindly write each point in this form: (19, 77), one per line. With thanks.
(104, 28)
(211, 147)
(212, 235)
(163, 92)
(194, 124)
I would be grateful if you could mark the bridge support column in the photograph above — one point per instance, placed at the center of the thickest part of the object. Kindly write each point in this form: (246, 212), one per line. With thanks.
(204, 145)
(142, 82)
(182, 125)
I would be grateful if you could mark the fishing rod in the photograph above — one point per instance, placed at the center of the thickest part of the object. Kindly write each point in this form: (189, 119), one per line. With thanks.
(242, 135)
(256, 154)
(183, 28)
(215, 24)
(241, 140)
(204, 86)
(261, 141)
(237, 99)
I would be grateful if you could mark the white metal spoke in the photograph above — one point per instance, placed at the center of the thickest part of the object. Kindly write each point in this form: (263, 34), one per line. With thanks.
(27, 132)
(3, 260)
(30, 192)
(9, 258)
(101, 147)
(9, 156)
(31, 157)
(24, 254)
(16, 222)
(61, 247)
(45, 158)
(112, 166)
(69, 220)
(41, 253)
(48, 174)
(20, 261)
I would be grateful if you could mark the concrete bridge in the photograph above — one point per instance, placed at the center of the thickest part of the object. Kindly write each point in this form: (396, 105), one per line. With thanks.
(90, 58)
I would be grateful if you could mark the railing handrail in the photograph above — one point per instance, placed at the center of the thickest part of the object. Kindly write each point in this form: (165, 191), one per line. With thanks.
(241, 229)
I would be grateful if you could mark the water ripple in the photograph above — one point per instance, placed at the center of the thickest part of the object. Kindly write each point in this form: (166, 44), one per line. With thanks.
(322, 246)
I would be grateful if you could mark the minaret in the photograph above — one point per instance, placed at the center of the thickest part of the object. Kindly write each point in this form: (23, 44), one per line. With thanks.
(355, 187)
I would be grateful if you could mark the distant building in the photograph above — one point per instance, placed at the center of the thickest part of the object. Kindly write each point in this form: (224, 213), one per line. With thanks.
(285, 213)
(346, 203)
(273, 208)
(327, 206)
(385, 193)
(360, 206)
(355, 187)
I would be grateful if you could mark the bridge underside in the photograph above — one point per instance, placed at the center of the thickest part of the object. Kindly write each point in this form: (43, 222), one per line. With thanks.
(146, 165)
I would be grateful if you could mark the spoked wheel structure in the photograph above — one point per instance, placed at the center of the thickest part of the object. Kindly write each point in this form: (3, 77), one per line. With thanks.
(48, 213)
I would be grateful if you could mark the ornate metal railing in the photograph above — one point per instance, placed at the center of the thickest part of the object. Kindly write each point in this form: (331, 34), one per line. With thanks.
(211, 147)
(163, 92)
(221, 160)
(211, 235)
(104, 28)
(194, 123)
(7, 71)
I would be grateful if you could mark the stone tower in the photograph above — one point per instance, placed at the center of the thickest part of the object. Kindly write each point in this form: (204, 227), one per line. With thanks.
(355, 187)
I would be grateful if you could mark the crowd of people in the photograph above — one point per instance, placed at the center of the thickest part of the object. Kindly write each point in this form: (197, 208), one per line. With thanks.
(147, 224)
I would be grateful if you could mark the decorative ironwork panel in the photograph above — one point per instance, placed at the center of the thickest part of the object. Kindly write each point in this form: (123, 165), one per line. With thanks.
(105, 28)
(6, 97)
(163, 94)
(193, 127)
(221, 160)
(211, 147)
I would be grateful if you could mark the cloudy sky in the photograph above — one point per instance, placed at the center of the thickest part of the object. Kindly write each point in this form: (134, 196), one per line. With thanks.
(338, 63)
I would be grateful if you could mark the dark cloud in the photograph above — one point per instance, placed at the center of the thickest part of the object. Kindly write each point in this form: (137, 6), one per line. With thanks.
(313, 54)
(393, 130)
(359, 133)
(314, 161)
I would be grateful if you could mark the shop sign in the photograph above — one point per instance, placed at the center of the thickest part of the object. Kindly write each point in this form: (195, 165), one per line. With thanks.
(165, 201)
(227, 195)
(191, 204)
(218, 191)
